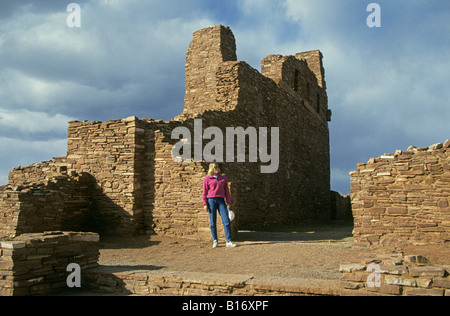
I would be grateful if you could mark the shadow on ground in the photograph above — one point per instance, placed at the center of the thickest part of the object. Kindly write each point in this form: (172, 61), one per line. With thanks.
(129, 268)
(329, 232)
(113, 242)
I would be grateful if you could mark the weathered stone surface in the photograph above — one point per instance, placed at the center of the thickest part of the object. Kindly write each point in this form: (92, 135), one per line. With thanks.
(442, 283)
(427, 271)
(352, 285)
(435, 146)
(12, 245)
(35, 264)
(396, 270)
(404, 278)
(447, 144)
(351, 268)
(391, 280)
(391, 289)
(403, 198)
(416, 259)
(424, 292)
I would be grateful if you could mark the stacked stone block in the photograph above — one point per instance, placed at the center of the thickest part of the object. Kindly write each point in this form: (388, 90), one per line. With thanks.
(38, 173)
(403, 197)
(395, 274)
(60, 203)
(107, 151)
(36, 264)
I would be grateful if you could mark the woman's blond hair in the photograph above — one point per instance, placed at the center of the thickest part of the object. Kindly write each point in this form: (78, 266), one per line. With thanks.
(212, 166)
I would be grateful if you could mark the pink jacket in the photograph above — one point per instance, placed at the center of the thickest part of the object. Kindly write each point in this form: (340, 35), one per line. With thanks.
(216, 187)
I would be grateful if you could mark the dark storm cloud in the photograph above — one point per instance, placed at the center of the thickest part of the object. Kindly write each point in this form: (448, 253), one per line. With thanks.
(126, 57)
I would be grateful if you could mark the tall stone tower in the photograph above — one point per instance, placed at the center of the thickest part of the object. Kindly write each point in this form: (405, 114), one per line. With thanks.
(209, 48)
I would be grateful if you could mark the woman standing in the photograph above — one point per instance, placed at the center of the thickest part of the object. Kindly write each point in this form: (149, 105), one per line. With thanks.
(216, 196)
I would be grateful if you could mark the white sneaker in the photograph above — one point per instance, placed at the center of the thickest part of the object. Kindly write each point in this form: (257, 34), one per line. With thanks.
(230, 244)
(215, 244)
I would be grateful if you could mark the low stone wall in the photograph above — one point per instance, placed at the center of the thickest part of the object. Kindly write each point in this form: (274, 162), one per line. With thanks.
(36, 264)
(123, 281)
(38, 172)
(59, 203)
(395, 275)
(403, 197)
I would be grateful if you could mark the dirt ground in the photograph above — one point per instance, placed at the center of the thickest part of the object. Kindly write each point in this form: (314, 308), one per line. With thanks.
(310, 252)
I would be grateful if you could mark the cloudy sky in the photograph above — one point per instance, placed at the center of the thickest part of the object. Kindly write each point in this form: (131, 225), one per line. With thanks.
(388, 87)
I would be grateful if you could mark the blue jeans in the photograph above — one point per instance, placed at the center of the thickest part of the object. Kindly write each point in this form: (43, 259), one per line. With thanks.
(214, 205)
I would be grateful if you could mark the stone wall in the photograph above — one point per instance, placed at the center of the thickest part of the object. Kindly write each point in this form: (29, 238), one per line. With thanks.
(107, 151)
(403, 197)
(38, 172)
(36, 264)
(395, 274)
(59, 203)
(172, 190)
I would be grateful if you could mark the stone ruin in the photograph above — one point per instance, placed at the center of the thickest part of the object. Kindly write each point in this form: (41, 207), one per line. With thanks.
(119, 176)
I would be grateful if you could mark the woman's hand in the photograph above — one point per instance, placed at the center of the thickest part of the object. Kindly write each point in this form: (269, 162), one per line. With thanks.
(205, 207)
